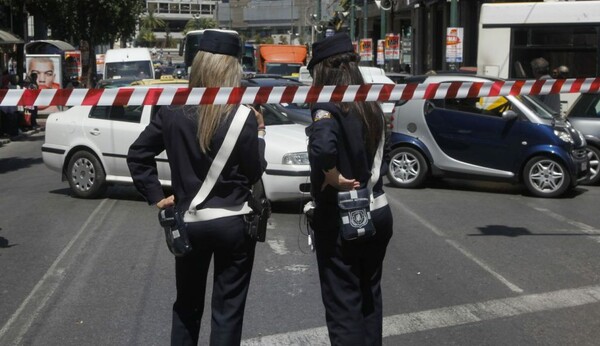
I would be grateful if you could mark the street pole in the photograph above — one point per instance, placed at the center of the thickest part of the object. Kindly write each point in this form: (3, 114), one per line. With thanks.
(383, 23)
(453, 23)
(292, 21)
(366, 18)
(352, 14)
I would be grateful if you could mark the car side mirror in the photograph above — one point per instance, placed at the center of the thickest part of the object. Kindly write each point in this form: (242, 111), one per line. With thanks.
(509, 115)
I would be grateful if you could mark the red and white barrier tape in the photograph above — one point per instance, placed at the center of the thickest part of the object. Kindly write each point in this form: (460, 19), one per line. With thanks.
(292, 94)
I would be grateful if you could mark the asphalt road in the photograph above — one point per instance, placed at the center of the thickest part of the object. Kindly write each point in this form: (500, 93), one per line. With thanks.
(469, 264)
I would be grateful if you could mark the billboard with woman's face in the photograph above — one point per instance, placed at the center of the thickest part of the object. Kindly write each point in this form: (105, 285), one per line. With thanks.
(48, 69)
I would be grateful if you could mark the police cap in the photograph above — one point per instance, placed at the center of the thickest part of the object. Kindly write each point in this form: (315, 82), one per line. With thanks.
(218, 42)
(329, 46)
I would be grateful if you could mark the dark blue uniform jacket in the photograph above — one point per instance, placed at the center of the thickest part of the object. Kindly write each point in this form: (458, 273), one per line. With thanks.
(174, 129)
(338, 142)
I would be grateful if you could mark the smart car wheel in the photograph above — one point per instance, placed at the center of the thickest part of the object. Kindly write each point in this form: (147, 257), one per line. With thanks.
(407, 168)
(86, 175)
(546, 177)
(594, 155)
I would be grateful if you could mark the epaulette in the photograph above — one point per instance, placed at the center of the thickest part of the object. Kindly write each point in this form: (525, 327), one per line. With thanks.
(322, 114)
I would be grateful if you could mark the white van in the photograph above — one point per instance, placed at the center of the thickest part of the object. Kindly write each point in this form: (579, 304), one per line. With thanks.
(128, 63)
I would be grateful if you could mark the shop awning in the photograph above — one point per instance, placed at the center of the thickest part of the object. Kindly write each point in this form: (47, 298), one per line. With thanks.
(8, 38)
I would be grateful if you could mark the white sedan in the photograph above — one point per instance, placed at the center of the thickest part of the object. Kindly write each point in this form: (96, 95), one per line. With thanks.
(88, 145)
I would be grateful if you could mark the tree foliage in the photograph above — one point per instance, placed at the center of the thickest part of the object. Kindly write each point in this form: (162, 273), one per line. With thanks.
(91, 21)
(199, 24)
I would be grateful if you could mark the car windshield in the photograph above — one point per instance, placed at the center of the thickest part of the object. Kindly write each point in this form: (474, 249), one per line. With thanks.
(538, 107)
(283, 69)
(273, 117)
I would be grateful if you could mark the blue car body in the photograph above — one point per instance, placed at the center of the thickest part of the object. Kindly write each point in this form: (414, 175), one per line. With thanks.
(506, 139)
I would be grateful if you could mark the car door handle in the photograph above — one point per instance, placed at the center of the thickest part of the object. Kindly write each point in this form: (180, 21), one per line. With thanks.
(464, 132)
(95, 132)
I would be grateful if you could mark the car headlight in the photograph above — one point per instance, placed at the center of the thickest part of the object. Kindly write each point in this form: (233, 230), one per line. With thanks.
(295, 158)
(564, 136)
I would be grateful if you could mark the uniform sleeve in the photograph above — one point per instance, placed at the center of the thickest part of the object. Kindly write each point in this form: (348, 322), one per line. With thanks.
(323, 141)
(142, 163)
(252, 151)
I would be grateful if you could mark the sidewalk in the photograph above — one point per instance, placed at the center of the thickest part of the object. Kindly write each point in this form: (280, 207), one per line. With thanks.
(42, 127)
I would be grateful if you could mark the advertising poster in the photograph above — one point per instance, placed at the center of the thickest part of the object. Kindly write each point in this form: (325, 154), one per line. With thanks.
(366, 49)
(380, 49)
(48, 69)
(392, 47)
(73, 65)
(454, 45)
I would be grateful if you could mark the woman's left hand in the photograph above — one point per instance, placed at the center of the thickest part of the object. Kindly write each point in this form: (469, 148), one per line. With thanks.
(259, 117)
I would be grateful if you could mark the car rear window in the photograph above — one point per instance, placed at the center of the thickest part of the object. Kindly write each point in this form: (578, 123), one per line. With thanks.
(131, 114)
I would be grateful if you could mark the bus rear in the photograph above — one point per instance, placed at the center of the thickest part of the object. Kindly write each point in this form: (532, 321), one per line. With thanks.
(190, 43)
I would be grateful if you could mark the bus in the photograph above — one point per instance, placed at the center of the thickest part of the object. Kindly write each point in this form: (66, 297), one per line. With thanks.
(565, 33)
(189, 45)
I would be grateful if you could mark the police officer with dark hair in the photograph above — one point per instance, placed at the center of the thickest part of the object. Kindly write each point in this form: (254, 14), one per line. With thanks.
(192, 137)
(343, 141)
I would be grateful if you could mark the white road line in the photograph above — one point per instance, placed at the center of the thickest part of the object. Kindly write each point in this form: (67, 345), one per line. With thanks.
(44, 289)
(278, 246)
(466, 253)
(425, 223)
(486, 267)
(587, 229)
(450, 316)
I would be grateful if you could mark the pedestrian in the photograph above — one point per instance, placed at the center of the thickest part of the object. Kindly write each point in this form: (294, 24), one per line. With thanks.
(541, 70)
(32, 110)
(192, 136)
(344, 140)
(11, 113)
(561, 72)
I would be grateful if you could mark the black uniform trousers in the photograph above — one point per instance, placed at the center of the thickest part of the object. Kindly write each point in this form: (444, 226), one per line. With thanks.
(350, 275)
(233, 251)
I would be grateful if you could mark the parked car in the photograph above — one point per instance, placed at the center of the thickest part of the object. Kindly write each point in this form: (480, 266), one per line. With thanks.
(512, 138)
(88, 146)
(585, 117)
(371, 75)
(296, 112)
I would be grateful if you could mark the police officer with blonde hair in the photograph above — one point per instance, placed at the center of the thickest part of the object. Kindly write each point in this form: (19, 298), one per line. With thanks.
(192, 136)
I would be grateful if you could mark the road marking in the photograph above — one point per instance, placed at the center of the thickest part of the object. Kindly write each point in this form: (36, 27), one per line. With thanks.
(278, 246)
(451, 316)
(485, 267)
(425, 223)
(45, 288)
(454, 244)
(592, 232)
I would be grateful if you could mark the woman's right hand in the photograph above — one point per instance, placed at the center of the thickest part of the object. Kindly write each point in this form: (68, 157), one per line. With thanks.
(334, 178)
(166, 202)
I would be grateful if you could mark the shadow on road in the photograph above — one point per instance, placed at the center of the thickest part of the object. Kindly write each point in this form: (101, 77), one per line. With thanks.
(4, 243)
(506, 231)
(16, 163)
(487, 187)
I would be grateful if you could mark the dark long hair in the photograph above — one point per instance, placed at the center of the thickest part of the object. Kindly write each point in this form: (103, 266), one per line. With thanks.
(342, 69)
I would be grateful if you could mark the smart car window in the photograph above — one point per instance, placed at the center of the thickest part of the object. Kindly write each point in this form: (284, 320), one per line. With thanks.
(463, 105)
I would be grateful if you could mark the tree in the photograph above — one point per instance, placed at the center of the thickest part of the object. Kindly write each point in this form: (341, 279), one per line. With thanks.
(86, 23)
(199, 24)
(151, 22)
